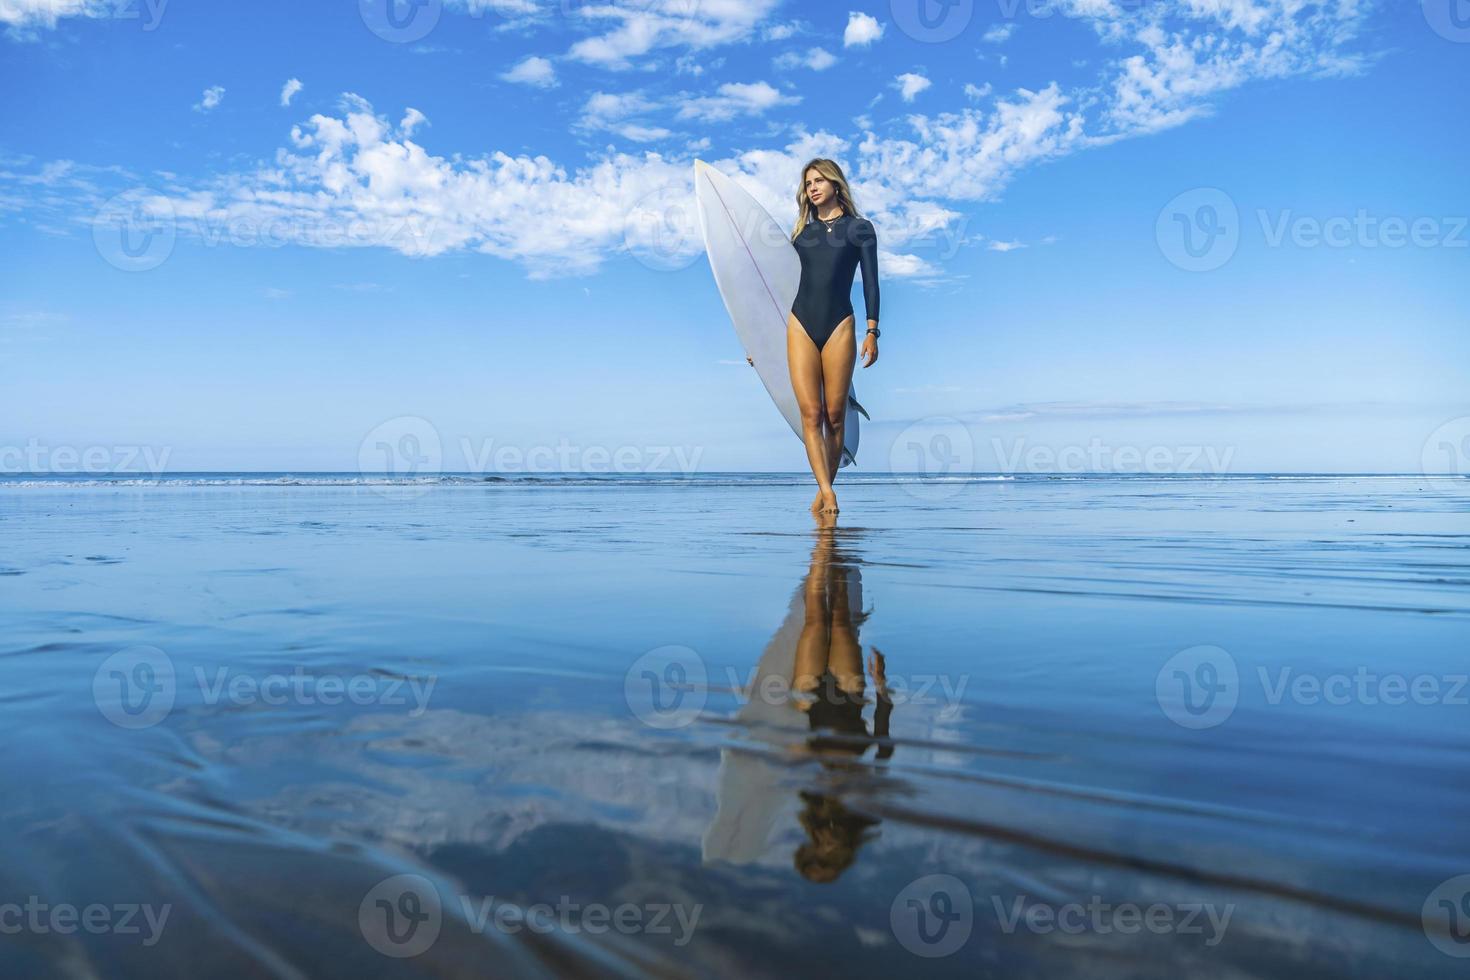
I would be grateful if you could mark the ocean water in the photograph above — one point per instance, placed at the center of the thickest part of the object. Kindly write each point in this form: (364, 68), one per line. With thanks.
(325, 725)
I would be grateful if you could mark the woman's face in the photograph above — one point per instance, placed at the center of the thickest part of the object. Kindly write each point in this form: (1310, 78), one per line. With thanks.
(819, 189)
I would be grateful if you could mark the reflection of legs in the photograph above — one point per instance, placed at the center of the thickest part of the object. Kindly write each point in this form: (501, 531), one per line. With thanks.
(847, 653)
(806, 365)
(813, 647)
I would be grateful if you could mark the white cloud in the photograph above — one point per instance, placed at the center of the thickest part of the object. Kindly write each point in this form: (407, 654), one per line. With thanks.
(1005, 246)
(862, 30)
(23, 17)
(1198, 48)
(212, 97)
(648, 25)
(412, 119)
(533, 71)
(971, 154)
(696, 65)
(734, 99)
(289, 90)
(820, 59)
(1117, 410)
(613, 112)
(817, 59)
(910, 85)
(999, 34)
(353, 169)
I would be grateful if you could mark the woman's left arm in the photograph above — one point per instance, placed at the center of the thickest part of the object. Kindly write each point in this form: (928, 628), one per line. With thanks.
(867, 242)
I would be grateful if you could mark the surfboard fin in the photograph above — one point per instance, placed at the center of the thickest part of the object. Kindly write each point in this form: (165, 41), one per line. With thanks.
(861, 411)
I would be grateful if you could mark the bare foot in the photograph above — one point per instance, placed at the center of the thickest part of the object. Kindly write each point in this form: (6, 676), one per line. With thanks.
(817, 502)
(829, 502)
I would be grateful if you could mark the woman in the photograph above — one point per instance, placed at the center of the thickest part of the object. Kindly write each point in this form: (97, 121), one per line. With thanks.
(832, 240)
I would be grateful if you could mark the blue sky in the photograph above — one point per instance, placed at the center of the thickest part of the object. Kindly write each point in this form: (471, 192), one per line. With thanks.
(1229, 225)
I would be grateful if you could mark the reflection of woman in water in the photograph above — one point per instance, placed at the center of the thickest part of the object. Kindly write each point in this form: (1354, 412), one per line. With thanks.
(813, 666)
(828, 684)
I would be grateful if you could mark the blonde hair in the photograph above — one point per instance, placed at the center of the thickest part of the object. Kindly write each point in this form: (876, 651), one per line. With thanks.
(830, 169)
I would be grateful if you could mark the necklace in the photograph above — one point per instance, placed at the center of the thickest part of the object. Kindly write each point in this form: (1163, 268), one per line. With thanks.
(831, 222)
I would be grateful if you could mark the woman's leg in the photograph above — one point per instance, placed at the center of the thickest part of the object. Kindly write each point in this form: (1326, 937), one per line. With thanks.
(839, 355)
(805, 363)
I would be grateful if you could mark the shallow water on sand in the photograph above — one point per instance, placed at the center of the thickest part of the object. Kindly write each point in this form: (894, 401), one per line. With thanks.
(1080, 727)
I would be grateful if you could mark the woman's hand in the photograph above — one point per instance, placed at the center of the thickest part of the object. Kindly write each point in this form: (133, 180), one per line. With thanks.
(870, 350)
(877, 668)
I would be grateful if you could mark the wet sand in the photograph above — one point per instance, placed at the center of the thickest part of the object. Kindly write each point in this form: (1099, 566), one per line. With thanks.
(1120, 727)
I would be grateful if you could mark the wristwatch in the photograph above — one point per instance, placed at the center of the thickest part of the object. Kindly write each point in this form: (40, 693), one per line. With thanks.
(875, 331)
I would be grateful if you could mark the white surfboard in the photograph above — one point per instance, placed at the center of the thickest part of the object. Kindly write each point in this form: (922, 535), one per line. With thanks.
(757, 270)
